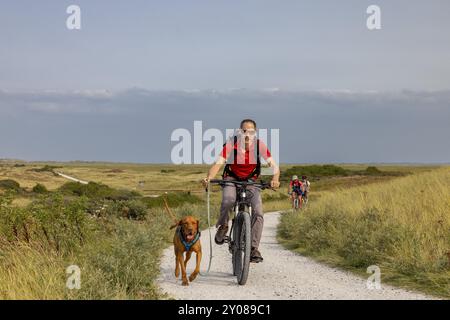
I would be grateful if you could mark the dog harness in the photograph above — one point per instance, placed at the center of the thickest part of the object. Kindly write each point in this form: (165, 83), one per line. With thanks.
(187, 245)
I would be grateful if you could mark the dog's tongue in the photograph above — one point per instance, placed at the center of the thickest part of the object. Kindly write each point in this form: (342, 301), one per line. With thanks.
(190, 237)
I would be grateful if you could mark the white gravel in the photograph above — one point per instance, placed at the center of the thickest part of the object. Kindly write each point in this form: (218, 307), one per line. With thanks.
(282, 275)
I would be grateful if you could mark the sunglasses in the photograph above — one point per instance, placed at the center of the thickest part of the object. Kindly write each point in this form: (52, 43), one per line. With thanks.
(248, 132)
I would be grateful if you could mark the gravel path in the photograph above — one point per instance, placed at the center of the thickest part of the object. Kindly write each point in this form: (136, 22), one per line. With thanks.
(71, 178)
(282, 275)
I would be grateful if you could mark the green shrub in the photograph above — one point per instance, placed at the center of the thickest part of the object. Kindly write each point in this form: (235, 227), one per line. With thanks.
(372, 171)
(39, 188)
(97, 191)
(174, 200)
(46, 168)
(61, 224)
(9, 184)
(319, 171)
(167, 170)
(130, 209)
(315, 171)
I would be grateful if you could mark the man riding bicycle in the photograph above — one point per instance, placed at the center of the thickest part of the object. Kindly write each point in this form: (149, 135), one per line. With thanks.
(243, 166)
(296, 190)
(306, 187)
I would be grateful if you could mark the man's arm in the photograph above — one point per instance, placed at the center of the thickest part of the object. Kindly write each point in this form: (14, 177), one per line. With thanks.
(275, 183)
(215, 168)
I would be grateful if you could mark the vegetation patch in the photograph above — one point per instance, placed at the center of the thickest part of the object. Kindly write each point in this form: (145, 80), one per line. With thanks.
(167, 170)
(117, 250)
(39, 188)
(94, 190)
(174, 199)
(314, 172)
(46, 168)
(9, 184)
(401, 225)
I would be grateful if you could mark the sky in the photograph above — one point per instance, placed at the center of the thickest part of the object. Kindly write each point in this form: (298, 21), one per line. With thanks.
(116, 89)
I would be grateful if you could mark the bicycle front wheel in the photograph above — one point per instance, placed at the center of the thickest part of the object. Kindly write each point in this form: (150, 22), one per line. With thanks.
(242, 250)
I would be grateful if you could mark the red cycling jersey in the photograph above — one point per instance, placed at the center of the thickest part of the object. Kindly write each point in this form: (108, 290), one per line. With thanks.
(296, 184)
(245, 162)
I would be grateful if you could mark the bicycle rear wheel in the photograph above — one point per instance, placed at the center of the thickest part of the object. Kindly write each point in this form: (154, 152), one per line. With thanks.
(296, 204)
(242, 247)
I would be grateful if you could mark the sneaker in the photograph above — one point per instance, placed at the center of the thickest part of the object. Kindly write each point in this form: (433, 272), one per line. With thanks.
(221, 234)
(255, 256)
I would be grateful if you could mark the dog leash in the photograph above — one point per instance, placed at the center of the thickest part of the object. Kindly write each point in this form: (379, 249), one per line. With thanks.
(166, 205)
(208, 209)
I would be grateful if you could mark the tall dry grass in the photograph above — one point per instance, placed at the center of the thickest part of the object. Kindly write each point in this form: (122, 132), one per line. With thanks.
(402, 225)
(30, 272)
(118, 257)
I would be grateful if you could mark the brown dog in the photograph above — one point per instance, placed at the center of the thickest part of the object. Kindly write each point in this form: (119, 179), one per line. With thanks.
(187, 239)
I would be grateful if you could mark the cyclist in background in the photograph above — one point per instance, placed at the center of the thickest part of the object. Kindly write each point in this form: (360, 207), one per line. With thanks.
(306, 186)
(296, 191)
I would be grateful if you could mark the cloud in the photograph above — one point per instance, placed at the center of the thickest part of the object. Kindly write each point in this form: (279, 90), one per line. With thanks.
(315, 126)
(103, 101)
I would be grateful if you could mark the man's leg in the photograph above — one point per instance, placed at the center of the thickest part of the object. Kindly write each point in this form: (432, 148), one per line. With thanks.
(300, 199)
(257, 217)
(228, 201)
(293, 197)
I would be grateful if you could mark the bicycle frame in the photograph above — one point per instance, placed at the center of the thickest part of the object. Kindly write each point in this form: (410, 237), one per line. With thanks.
(297, 201)
(243, 206)
(239, 237)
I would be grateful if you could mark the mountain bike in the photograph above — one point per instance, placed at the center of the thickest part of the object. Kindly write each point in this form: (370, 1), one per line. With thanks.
(296, 203)
(305, 199)
(239, 238)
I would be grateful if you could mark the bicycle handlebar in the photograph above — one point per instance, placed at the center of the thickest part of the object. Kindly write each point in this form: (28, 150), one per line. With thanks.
(262, 185)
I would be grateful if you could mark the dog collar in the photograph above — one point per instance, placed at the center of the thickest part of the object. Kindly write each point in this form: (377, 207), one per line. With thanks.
(188, 245)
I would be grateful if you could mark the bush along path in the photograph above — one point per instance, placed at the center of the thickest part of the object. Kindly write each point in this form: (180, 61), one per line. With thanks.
(401, 225)
(114, 236)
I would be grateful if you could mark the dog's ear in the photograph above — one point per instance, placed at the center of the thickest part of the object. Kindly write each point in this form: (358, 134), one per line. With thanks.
(176, 224)
(198, 224)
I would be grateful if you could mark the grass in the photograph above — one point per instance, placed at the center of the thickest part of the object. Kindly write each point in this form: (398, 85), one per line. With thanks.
(315, 172)
(118, 257)
(401, 225)
(115, 228)
(114, 233)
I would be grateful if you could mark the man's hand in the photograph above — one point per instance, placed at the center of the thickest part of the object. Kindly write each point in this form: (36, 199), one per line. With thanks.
(275, 184)
(205, 182)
